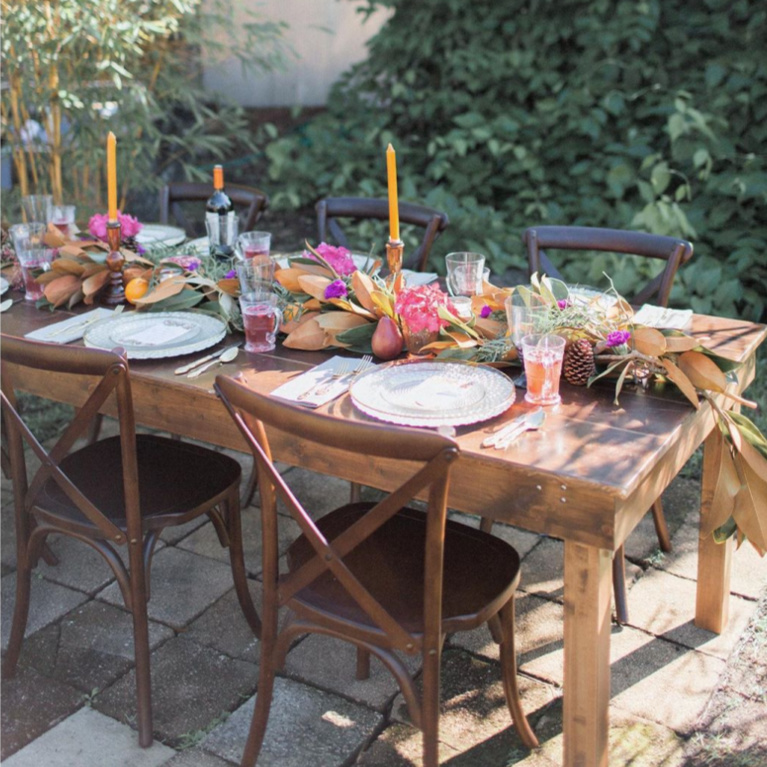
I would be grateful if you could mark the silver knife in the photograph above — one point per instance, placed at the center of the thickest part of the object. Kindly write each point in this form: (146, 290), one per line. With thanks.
(186, 368)
(509, 428)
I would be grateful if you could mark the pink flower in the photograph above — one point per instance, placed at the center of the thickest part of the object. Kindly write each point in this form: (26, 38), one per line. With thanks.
(485, 312)
(336, 289)
(419, 306)
(339, 258)
(564, 303)
(129, 226)
(617, 338)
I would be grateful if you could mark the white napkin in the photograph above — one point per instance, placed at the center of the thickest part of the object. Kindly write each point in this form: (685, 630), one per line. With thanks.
(316, 385)
(413, 279)
(71, 329)
(661, 317)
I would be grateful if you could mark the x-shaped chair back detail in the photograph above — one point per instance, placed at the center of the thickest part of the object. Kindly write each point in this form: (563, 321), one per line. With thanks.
(251, 411)
(672, 250)
(112, 369)
(432, 221)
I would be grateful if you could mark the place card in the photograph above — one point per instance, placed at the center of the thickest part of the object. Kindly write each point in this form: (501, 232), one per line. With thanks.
(663, 317)
(71, 329)
(157, 334)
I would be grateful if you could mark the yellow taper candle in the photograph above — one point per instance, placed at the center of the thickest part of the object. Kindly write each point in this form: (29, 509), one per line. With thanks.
(391, 172)
(112, 175)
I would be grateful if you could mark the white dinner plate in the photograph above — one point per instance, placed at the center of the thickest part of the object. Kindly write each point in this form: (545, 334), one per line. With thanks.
(432, 393)
(4, 286)
(160, 234)
(586, 296)
(153, 335)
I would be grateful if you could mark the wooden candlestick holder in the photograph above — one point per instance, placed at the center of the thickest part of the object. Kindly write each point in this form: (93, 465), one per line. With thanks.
(394, 252)
(114, 291)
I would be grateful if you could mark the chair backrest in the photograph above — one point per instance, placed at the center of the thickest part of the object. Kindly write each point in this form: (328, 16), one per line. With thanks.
(673, 251)
(252, 201)
(433, 455)
(432, 221)
(104, 375)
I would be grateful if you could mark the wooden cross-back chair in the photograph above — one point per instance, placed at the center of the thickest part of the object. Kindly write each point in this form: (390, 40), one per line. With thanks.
(384, 576)
(249, 201)
(672, 252)
(432, 221)
(118, 491)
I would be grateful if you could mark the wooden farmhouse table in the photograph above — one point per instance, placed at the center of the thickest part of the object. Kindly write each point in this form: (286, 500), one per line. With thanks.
(587, 477)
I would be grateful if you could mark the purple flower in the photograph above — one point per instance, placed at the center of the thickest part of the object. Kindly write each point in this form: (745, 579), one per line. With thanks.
(336, 289)
(231, 274)
(563, 303)
(486, 311)
(617, 338)
(190, 263)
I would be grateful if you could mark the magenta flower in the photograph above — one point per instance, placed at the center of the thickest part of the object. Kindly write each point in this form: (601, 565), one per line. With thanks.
(190, 263)
(339, 258)
(129, 226)
(563, 303)
(231, 274)
(485, 311)
(336, 289)
(617, 338)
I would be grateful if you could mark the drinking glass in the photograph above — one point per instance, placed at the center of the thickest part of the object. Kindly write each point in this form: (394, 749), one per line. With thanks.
(63, 218)
(543, 354)
(464, 273)
(26, 236)
(222, 234)
(261, 316)
(525, 312)
(34, 260)
(253, 245)
(38, 207)
(462, 305)
(255, 274)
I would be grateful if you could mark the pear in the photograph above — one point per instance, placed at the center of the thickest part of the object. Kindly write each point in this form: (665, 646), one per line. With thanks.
(387, 339)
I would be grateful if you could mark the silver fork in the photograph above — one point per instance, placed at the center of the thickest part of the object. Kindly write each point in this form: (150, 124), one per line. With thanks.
(78, 326)
(364, 363)
(344, 369)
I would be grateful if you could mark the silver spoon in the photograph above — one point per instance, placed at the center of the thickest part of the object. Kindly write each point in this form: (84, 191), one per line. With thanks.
(226, 356)
(532, 423)
(191, 365)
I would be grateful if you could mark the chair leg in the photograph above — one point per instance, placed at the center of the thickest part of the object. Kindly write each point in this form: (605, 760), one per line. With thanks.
(363, 664)
(20, 616)
(355, 494)
(619, 586)
(237, 562)
(509, 671)
(661, 528)
(141, 644)
(263, 705)
(250, 487)
(430, 707)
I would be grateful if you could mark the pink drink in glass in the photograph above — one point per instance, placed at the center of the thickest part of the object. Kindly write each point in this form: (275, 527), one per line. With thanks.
(543, 367)
(33, 290)
(254, 251)
(260, 318)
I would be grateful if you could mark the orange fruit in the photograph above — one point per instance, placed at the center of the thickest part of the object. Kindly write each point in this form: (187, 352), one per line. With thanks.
(136, 289)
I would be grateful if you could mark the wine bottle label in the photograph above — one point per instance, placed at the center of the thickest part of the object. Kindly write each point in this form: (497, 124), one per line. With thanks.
(222, 229)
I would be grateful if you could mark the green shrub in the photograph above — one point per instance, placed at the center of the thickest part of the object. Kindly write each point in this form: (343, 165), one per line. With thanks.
(646, 115)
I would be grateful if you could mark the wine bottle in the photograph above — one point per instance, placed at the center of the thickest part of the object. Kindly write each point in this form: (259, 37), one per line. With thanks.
(220, 218)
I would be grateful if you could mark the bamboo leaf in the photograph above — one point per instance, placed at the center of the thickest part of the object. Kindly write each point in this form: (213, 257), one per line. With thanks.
(292, 319)
(336, 321)
(93, 285)
(363, 287)
(288, 278)
(59, 291)
(702, 371)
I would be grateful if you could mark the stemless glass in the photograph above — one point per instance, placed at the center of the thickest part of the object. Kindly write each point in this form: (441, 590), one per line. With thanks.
(464, 273)
(255, 274)
(525, 312)
(63, 218)
(543, 354)
(34, 260)
(38, 207)
(253, 245)
(261, 316)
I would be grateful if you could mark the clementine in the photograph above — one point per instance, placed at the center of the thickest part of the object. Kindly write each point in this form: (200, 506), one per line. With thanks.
(136, 289)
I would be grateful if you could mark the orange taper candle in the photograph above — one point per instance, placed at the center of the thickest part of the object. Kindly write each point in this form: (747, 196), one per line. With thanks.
(391, 172)
(112, 175)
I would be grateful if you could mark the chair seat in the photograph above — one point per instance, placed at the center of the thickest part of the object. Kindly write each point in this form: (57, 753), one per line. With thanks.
(174, 478)
(480, 572)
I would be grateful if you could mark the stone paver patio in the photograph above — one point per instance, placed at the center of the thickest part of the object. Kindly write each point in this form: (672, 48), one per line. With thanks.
(676, 689)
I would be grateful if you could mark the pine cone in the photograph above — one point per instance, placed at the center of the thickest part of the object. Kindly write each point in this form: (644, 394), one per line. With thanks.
(578, 365)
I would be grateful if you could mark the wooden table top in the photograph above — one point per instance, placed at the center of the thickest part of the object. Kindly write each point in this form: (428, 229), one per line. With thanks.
(588, 475)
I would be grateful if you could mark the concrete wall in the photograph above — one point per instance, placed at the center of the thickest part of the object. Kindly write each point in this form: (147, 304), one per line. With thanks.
(327, 36)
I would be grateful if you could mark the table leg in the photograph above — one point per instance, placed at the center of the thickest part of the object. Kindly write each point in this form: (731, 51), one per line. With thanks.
(714, 559)
(587, 655)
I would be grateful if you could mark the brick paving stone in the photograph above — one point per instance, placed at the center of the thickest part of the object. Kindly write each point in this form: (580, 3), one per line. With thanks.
(32, 704)
(48, 602)
(204, 541)
(192, 686)
(330, 664)
(8, 527)
(194, 757)
(89, 739)
(223, 627)
(749, 570)
(80, 566)
(473, 706)
(664, 605)
(537, 631)
(90, 647)
(183, 586)
(401, 745)
(319, 493)
(306, 727)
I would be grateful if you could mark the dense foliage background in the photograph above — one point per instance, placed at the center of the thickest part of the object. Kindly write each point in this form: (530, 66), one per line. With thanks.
(647, 115)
